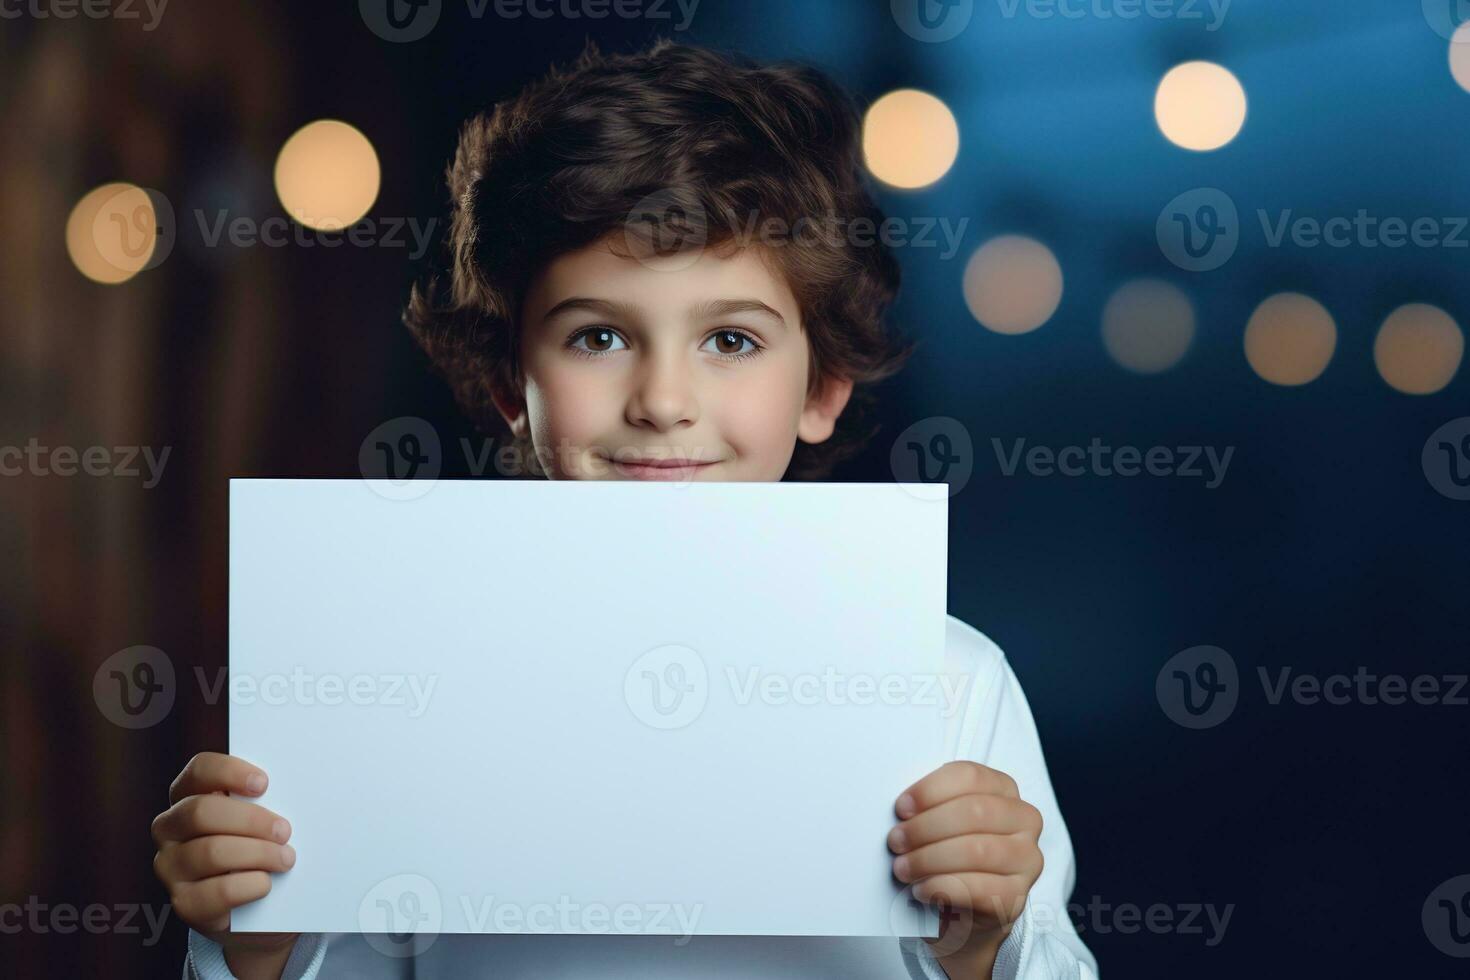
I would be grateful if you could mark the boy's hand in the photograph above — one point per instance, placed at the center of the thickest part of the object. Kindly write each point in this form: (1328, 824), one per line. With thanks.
(969, 842)
(214, 853)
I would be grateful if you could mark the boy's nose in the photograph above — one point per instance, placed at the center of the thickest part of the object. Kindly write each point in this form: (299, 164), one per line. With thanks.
(663, 395)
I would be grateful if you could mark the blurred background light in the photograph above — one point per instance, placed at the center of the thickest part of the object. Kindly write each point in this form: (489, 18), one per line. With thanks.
(1290, 339)
(1200, 106)
(1013, 284)
(327, 175)
(1148, 325)
(1418, 349)
(1460, 56)
(112, 232)
(910, 139)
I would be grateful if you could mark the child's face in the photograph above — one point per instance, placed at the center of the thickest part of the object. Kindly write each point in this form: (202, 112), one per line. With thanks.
(626, 360)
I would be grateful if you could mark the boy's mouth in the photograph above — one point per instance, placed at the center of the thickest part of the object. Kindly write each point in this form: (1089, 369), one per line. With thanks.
(660, 468)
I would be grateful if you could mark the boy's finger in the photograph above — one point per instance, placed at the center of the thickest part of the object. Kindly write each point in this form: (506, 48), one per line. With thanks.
(975, 813)
(202, 816)
(988, 894)
(951, 780)
(978, 853)
(206, 904)
(205, 857)
(213, 772)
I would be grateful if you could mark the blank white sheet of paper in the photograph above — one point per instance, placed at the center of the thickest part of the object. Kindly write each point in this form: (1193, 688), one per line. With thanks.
(580, 707)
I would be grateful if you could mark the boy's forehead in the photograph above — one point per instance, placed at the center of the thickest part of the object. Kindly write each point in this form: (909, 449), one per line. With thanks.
(604, 271)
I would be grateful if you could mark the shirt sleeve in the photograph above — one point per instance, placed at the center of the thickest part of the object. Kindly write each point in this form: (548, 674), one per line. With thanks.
(206, 959)
(996, 729)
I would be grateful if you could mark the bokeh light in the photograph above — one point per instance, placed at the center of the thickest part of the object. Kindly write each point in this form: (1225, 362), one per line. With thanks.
(1200, 105)
(112, 232)
(1460, 56)
(1290, 339)
(910, 139)
(327, 175)
(1148, 325)
(1013, 284)
(1418, 349)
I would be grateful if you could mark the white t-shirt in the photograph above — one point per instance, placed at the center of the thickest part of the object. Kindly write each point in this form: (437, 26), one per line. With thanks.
(993, 727)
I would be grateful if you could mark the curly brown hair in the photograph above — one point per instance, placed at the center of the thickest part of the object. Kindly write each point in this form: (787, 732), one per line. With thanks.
(715, 140)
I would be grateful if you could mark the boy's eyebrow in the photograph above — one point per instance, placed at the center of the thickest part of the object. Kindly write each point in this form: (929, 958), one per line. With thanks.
(724, 307)
(602, 307)
(704, 311)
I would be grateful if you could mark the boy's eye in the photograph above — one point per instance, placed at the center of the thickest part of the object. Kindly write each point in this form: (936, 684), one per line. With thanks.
(599, 340)
(728, 342)
(591, 341)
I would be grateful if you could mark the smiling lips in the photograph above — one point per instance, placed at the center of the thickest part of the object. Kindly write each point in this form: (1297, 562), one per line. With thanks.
(651, 468)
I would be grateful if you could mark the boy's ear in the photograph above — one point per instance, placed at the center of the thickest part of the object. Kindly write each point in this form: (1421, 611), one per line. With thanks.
(512, 407)
(823, 408)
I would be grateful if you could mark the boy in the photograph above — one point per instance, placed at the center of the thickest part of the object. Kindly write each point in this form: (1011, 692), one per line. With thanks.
(609, 304)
